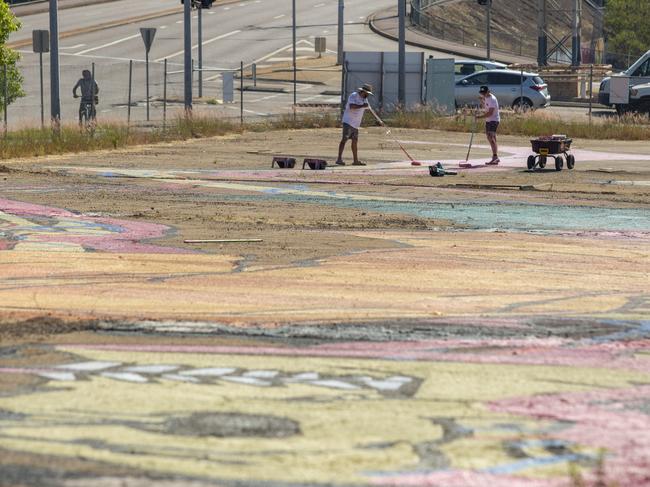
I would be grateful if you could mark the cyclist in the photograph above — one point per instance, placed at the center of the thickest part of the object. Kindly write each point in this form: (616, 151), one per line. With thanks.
(89, 89)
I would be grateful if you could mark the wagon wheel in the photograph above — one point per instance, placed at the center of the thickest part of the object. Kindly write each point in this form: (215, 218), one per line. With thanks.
(531, 162)
(542, 162)
(570, 161)
(559, 163)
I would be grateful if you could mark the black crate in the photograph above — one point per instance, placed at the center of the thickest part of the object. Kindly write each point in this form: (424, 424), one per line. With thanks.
(553, 146)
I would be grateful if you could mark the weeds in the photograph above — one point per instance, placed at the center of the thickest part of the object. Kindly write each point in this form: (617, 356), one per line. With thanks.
(28, 142)
(534, 123)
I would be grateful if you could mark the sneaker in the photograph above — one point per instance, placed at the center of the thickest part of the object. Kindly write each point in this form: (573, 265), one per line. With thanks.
(358, 163)
(494, 162)
(339, 162)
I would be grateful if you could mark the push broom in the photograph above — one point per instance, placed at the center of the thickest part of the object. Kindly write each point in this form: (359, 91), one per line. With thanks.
(388, 133)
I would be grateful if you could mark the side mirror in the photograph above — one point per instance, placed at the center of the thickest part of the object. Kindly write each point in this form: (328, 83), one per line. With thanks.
(464, 82)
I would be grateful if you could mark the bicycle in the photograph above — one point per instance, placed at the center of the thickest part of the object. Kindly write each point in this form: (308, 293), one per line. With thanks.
(87, 115)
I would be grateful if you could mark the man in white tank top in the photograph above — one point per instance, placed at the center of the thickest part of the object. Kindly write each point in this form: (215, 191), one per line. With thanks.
(490, 106)
(354, 109)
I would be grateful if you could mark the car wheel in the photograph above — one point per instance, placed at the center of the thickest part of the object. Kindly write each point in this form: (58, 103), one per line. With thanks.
(522, 106)
(622, 109)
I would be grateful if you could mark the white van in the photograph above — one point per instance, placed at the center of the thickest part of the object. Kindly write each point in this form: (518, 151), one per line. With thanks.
(639, 73)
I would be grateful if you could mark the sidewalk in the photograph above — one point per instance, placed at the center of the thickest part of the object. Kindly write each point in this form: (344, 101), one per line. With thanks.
(386, 24)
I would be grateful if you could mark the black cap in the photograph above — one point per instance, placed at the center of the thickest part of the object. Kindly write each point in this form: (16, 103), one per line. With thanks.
(484, 89)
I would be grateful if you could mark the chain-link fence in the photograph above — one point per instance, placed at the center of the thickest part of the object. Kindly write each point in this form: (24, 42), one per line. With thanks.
(466, 25)
(123, 93)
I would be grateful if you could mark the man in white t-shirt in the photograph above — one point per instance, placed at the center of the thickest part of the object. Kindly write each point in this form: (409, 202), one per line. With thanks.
(352, 117)
(490, 106)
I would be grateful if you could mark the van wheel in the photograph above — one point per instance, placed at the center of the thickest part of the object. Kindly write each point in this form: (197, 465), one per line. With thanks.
(622, 109)
(523, 107)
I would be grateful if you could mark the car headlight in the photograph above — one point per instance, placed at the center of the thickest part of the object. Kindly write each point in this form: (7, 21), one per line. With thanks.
(634, 92)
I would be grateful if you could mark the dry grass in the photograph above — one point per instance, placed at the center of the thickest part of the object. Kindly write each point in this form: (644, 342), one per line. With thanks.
(536, 123)
(27, 142)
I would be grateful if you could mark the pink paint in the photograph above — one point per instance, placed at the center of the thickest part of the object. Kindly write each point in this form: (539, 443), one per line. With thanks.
(601, 419)
(124, 239)
(458, 478)
(546, 352)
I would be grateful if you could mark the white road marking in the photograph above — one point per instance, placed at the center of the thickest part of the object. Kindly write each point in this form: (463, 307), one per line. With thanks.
(76, 46)
(162, 27)
(279, 16)
(319, 5)
(109, 44)
(179, 21)
(223, 36)
(211, 13)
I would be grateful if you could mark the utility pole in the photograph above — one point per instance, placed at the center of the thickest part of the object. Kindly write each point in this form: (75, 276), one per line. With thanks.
(200, 9)
(187, 65)
(489, 30)
(55, 100)
(401, 83)
(576, 58)
(295, 68)
(542, 38)
(339, 57)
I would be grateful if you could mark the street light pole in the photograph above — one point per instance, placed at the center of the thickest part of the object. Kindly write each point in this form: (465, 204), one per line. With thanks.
(55, 100)
(295, 76)
(489, 30)
(339, 58)
(401, 78)
(200, 9)
(187, 65)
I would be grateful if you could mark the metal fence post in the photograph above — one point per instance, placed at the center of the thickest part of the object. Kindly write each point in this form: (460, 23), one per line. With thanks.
(40, 58)
(92, 89)
(241, 93)
(591, 90)
(165, 95)
(5, 92)
(128, 106)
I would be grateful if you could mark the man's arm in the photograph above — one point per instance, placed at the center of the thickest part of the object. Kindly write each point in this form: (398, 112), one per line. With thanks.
(487, 114)
(357, 106)
(74, 90)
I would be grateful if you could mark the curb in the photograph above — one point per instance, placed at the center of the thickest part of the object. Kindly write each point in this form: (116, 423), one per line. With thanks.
(108, 25)
(41, 6)
(378, 31)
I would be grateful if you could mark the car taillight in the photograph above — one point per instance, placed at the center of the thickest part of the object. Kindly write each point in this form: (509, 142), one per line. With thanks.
(539, 87)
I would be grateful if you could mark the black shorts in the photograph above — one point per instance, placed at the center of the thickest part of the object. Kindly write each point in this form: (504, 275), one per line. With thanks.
(491, 127)
(349, 132)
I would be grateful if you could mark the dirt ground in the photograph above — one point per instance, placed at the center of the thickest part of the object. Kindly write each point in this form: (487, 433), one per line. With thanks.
(303, 231)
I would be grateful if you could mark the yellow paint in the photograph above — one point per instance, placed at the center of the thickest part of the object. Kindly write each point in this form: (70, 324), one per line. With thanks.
(446, 274)
(337, 426)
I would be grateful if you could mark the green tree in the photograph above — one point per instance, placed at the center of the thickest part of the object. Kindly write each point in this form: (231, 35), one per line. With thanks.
(9, 57)
(627, 23)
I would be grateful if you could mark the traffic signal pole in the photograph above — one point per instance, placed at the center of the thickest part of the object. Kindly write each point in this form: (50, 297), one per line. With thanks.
(55, 101)
(401, 81)
(187, 65)
(489, 30)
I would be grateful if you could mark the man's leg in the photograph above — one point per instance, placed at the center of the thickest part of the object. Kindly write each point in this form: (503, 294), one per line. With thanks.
(355, 150)
(339, 160)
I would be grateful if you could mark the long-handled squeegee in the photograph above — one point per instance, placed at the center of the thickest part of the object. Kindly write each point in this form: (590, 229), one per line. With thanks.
(388, 133)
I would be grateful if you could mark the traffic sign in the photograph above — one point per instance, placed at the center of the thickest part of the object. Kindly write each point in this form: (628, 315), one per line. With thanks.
(41, 40)
(148, 33)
